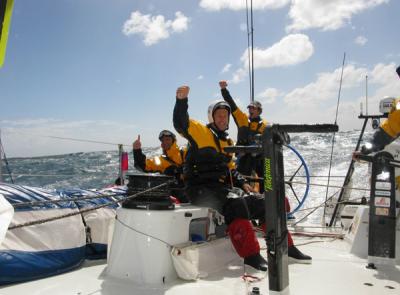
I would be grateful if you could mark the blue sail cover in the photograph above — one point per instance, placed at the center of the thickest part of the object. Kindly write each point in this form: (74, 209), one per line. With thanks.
(57, 246)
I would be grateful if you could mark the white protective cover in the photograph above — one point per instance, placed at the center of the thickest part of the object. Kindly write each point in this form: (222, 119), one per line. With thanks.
(6, 215)
(196, 261)
(142, 240)
(99, 222)
(59, 234)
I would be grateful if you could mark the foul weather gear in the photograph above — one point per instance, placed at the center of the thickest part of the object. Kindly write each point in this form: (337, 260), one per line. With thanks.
(249, 132)
(388, 131)
(206, 161)
(209, 174)
(247, 128)
(169, 163)
(243, 238)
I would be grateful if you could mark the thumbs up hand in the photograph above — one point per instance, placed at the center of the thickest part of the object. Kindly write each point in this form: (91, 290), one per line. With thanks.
(137, 145)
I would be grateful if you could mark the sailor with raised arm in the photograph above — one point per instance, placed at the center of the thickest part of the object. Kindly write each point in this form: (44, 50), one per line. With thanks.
(249, 127)
(210, 173)
(169, 163)
(212, 181)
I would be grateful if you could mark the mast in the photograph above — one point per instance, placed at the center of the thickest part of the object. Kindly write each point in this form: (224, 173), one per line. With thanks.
(252, 52)
(366, 95)
(250, 46)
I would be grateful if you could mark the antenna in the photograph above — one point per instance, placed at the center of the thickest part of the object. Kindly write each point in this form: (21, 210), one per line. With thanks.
(333, 137)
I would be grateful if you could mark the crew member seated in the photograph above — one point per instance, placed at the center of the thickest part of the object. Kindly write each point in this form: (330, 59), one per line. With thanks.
(249, 127)
(210, 177)
(169, 163)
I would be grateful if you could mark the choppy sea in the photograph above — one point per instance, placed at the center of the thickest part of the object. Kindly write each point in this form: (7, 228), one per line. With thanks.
(100, 169)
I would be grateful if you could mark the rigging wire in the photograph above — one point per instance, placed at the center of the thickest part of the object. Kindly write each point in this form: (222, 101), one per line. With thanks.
(334, 134)
(74, 139)
(84, 140)
(3, 156)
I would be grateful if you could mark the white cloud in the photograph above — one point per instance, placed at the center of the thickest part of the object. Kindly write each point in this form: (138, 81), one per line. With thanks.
(383, 76)
(316, 102)
(180, 23)
(226, 68)
(326, 15)
(239, 75)
(361, 40)
(215, 5)
(290, 50)
(154, 28)
(268, 96)
(325, 87)
(200, 77)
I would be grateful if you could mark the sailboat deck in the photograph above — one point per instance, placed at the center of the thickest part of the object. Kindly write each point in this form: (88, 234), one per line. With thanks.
(333, 271)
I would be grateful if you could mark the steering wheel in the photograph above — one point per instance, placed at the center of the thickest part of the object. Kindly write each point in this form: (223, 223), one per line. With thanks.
(295, 199)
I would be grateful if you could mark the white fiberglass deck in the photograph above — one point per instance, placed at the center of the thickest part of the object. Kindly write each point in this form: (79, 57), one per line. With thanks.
(333, 271)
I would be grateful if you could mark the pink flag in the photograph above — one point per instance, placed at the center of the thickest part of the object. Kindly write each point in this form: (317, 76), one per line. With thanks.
(124, 161)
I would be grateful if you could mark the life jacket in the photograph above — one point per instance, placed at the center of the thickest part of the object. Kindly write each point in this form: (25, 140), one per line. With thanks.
(169, 163)
(206, 161)
(391, 125)
(247, 128)
(176, 162)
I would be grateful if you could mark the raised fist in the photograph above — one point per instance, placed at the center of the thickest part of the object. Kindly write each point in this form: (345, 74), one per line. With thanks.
(223, 84)
(182, 92)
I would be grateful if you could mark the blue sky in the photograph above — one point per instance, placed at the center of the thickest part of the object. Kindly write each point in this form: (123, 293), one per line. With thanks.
(108, 70)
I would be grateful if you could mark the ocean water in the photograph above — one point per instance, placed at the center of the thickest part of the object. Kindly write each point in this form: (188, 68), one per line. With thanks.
(100, 169)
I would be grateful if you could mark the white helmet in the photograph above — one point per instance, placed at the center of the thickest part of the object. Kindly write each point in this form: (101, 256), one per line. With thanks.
(219, 104)
(386, 104)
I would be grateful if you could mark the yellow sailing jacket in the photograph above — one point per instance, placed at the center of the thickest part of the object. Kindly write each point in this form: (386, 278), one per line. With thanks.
(206, 161)
(247, 128)
(391, 125)
(169, 163)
